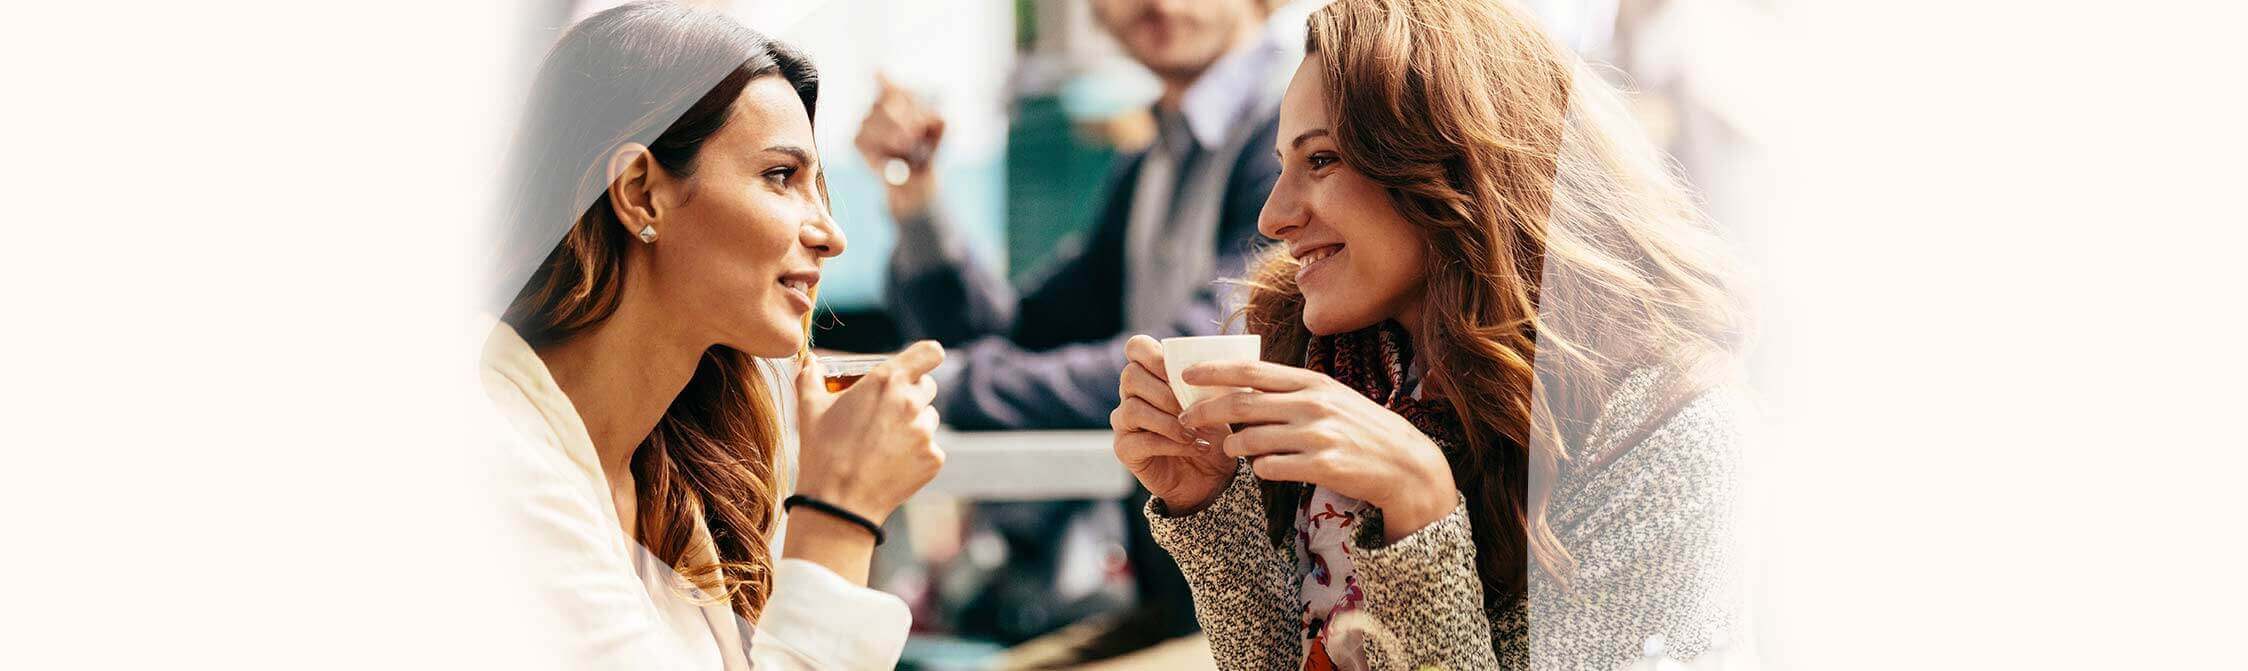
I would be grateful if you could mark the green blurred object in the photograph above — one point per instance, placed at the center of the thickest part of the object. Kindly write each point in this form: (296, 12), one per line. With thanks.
(932, 652)
(1054, 183)
(1026, 24)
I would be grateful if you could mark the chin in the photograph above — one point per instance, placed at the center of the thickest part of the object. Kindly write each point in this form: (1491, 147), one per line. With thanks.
(1327, 322)
(773, 341)
(776, 352)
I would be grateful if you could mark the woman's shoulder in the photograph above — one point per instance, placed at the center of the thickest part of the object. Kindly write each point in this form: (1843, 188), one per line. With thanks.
(1687, 447)
(1712, 419)
(1654, 407)
(535, 431)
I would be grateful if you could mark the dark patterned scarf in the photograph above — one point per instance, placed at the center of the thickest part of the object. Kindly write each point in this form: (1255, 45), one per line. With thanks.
(1374, 361)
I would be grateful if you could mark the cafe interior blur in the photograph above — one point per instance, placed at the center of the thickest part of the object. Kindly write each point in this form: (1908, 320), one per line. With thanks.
(1013, 558)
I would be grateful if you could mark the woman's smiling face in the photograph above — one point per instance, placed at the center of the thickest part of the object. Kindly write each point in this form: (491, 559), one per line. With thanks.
(1362, 261)
(741, 246)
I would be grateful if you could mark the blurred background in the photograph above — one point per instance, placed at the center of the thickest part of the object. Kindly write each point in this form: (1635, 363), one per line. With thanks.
(1039, 102)
(1999, 241)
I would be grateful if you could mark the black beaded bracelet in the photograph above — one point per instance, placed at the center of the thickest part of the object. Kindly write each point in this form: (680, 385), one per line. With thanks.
(837, 512)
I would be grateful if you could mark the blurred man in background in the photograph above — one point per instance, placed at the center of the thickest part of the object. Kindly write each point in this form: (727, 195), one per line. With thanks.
(1175, 219)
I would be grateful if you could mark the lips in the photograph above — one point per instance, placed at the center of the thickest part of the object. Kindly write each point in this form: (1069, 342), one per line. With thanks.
(799, 285)
(1313, 257)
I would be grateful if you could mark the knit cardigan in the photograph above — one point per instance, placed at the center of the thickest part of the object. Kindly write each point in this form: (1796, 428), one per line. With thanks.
(1650, 532)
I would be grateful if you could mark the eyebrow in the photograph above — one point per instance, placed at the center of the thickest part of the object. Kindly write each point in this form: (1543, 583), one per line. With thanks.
(1303, 137)
(801, 154)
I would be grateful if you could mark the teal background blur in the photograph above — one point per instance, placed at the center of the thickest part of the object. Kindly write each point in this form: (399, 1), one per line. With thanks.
(1016, 212)
(973, 192)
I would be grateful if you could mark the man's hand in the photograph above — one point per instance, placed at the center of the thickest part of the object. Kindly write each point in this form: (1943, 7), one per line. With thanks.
(897, 139)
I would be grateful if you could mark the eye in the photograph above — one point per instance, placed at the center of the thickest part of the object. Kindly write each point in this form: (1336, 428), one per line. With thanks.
(1321, 160)
(779, 176)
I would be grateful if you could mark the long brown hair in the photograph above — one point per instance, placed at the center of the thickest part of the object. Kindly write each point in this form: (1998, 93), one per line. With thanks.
(666, 77)
(1563, 250)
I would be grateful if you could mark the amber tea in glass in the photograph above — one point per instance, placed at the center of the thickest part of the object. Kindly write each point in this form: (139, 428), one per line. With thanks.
(842, 370)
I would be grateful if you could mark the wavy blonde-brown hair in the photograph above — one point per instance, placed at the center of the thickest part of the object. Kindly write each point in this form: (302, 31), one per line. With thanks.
(1563, 251)
(663, 76)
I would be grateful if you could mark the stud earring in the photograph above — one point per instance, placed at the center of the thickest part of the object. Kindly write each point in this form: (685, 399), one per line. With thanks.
(648, 233)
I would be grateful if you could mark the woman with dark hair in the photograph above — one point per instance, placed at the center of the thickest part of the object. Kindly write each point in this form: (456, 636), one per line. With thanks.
(1493, 426)
(664, 241)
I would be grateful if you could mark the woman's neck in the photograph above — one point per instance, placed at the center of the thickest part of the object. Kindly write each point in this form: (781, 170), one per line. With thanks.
(1409, 318)
(622, 375)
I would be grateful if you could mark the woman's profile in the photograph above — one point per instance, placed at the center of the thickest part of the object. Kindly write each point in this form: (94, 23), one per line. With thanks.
(1493, 426)
(664, 240)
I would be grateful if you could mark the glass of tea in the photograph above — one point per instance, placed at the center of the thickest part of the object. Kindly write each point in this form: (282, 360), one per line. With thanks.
(843, 370)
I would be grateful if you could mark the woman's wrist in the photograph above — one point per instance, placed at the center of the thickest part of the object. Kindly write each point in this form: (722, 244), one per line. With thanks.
(1177, 505)
(1431, 498)
(840, 546)
(1404, 518)
(817, 505)
(833, 496)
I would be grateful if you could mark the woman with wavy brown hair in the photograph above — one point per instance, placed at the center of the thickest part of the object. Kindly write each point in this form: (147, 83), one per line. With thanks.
(1494, 425)
(665, 237)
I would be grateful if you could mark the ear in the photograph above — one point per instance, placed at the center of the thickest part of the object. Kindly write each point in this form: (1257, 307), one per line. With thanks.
(633, 175)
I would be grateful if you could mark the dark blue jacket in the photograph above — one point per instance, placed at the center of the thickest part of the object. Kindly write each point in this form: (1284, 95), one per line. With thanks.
(1050, 358)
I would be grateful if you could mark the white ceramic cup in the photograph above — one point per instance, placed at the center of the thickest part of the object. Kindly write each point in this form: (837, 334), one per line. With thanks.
(1179, 353)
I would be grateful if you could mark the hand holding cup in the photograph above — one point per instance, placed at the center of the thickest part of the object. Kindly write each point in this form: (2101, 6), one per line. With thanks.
(873, 445)
(1185, 469)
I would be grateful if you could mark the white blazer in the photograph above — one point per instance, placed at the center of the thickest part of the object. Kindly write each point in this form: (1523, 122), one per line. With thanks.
(604, 602)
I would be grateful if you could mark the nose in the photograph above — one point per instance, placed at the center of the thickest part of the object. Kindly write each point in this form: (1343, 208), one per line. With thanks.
(1284, 211)
(822, 235)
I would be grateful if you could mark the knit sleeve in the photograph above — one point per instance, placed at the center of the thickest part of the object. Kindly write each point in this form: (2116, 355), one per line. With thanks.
(1241, 583)
(1652, 538)
(1424, 591)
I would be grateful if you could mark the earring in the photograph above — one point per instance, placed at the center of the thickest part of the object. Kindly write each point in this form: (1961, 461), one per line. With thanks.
(648, 233)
